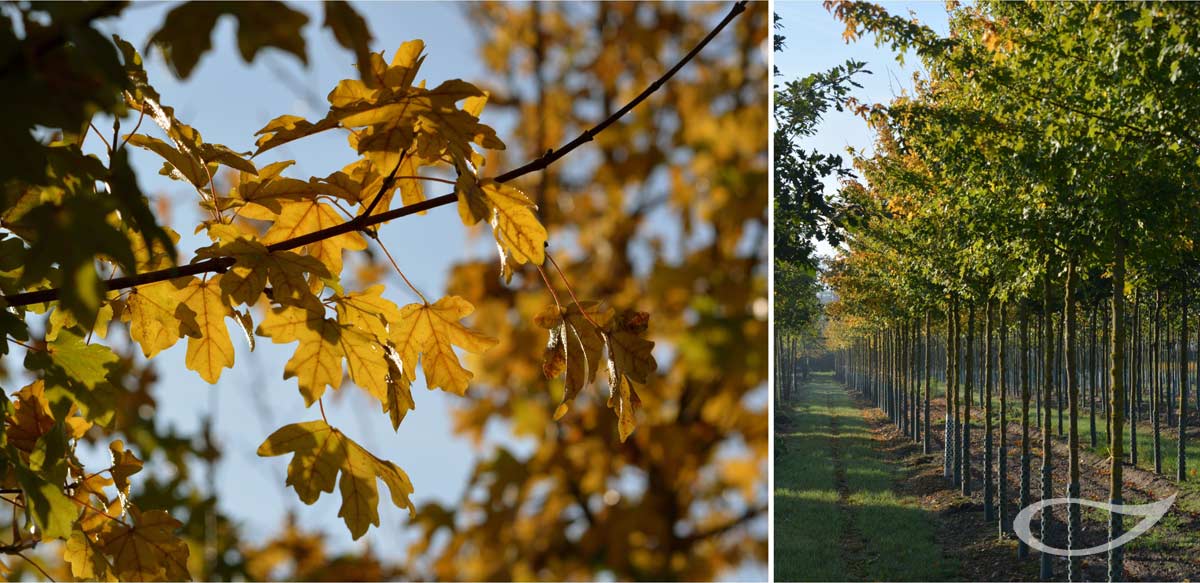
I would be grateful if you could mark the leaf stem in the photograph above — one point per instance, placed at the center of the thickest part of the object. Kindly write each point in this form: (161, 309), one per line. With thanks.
(321, 404)
(397, 267)
(566, 283)
(549, 287)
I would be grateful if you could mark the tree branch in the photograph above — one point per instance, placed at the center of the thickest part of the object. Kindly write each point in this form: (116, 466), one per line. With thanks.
(222, 264)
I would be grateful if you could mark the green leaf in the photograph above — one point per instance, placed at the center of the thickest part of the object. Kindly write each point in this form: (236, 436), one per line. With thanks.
(52, 511)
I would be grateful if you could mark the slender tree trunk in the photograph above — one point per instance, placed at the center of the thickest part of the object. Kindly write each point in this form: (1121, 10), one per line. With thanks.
(1156, 380)
(956, 422)
(1022, 548)
(989, 494)
(966, 442)
(928, 380)
(1002, 478)
(1092, 368)
(1047, 569)
(1074, 526)
(1136, 386)
(1181, 467)
(1116, 562)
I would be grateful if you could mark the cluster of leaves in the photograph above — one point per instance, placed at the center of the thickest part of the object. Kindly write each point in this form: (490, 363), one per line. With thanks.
(276, 257)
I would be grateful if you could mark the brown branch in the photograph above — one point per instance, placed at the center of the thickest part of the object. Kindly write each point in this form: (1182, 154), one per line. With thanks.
(222, 264)
(747, 516)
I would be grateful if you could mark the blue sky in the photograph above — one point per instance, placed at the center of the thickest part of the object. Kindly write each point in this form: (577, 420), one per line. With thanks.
(815, 43)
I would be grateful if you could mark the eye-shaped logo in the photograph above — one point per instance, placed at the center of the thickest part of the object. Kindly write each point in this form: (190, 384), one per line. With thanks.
(1152, 513)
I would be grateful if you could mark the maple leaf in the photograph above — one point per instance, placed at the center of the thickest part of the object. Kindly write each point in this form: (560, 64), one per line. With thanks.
(317, 362)
(255, 266)
(78, 360)
(286, 128)
(31, 417)
(365, 362)
(263, 194)
(432, 331)
(399, 389)
(321, 454)
(124, 465)
(202, 311)
(150, 311)
(630, 358)
(86, 560)
(147, 549)
(368, 311)
(302, 218)
(51, 509)
(519, 233)
(576, 346)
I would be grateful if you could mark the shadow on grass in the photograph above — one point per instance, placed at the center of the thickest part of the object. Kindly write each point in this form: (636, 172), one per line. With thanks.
(837, 515)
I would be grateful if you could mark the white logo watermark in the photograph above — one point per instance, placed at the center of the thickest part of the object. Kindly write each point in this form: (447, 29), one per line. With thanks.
(1152, 513)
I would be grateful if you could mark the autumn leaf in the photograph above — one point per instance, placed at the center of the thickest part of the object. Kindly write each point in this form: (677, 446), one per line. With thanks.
(365, 362)
(517, 229)
(287, 128)
(317, 362)
(302, 218)
(399, 389)
(630, 358)
(124, 465)
(31, 417)
(367, 311)
(86, 560)
(150, 310)
(576, 346)
(147, 549)
(202, 311)
(255, 266)
(431, 331)
(186, 33)
(321, 454)
(351, 32)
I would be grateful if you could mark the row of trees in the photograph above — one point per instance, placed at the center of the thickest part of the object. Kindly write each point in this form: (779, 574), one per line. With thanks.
(1036, 186)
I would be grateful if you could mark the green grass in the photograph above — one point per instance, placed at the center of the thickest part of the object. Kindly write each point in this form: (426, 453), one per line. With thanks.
(897, 536)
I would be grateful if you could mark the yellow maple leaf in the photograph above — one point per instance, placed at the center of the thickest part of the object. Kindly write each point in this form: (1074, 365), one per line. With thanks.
(147, 548)
(150, 310)
(321, 454)
(209, 348)
(517, 229)
(365, 362)
(302, 218)
(317, 362)
(432, 331)
(368, 311)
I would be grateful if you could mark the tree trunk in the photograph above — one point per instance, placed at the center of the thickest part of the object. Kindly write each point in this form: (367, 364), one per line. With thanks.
(1116, 566)
(1073, 518)
(1047, 569)
(1022, 548)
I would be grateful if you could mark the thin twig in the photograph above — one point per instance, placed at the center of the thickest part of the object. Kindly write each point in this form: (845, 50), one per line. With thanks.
(36, 566)
(135, 128)
(222, 264)
(102, 138)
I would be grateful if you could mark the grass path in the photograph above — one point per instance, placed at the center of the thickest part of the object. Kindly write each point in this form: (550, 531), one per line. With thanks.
(837, 514)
